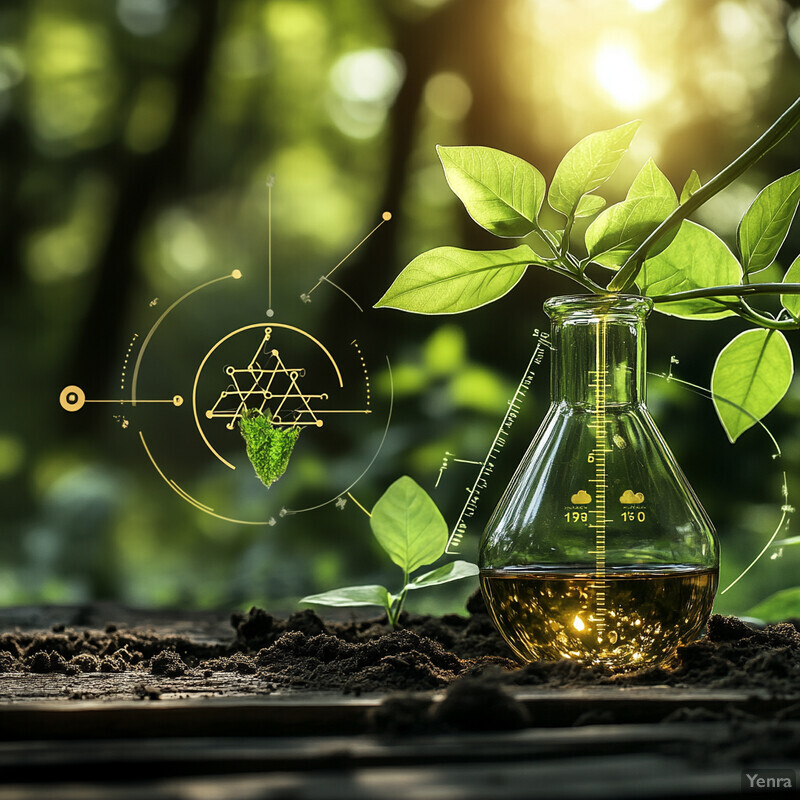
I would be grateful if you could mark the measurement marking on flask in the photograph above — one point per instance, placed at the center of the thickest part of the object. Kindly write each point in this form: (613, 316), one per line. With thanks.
(488, 464)
(598, 456)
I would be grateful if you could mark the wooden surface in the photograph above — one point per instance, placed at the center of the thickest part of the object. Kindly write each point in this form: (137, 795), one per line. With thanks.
(90, 736)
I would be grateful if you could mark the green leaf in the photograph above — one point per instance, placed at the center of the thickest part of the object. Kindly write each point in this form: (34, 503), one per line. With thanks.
(589, 164)
(408, 525)
(696, 259)
(454, 571)
(750, 377)
(501, 192)
(778, 607)
(791, 302)
(269, 446)
(448, 280)
(352, 596)
(651, 182)
(589, 205)
(620, 229)
(691, 186)
(765, 224)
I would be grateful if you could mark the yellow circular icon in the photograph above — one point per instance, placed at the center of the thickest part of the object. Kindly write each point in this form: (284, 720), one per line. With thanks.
(72, 398)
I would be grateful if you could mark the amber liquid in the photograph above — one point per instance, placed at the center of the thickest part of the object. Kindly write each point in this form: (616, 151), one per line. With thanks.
(550, 614)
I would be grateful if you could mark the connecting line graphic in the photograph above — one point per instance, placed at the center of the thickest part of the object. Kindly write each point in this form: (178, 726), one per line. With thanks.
(73, 398)
(280, 384)
(336, 286)
(306, 296)
(270, 184)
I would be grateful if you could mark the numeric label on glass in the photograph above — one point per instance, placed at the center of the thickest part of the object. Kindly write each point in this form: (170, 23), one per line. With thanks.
(576, 516)
(633, 516)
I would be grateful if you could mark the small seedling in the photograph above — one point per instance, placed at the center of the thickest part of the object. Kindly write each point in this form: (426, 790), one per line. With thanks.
(411, 529)
(269, 446)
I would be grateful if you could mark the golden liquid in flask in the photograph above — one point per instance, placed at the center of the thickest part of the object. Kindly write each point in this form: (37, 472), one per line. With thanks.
(642, 616)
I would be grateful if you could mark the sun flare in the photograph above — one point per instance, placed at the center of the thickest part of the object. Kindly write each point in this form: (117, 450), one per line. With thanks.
(618, 71)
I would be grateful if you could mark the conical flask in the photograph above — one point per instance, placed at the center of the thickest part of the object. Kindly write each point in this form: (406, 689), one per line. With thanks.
(599, 551)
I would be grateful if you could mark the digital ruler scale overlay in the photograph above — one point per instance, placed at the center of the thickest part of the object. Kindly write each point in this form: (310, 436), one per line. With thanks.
(488, 464)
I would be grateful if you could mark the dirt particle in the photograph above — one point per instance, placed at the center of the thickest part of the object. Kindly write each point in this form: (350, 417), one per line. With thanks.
(477, 705)
(727, 629)
(307, 622)
(43, 663)
(86, 662)
(168, 663)
(112, 664)
(145, 691)
(402, 713)
(255, 629)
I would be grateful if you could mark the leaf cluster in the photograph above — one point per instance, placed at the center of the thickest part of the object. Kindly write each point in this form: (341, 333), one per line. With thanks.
(410, 528)
(646, 240)
(269, 447)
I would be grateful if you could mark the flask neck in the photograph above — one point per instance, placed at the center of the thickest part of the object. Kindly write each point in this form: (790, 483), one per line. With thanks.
(599, 350)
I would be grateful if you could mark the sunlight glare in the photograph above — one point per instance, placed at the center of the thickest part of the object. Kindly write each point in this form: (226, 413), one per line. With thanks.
(618, 71)
(645, 5)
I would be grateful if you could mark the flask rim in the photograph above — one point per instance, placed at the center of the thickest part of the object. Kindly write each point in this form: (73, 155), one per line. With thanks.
(598, 305)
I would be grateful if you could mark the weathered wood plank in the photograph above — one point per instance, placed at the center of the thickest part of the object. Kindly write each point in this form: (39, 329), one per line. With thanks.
(179, 713)
(150, 757)
(635, 776)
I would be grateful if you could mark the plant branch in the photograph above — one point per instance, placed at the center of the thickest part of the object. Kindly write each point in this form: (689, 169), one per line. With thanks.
(785, 123)
(734, 290)
(743, 309)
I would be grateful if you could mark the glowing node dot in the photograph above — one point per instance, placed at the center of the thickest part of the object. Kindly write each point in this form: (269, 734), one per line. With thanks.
(319, 423)
(209, 414)
(177, 400)
(236, 274)
(72, 398)
(270, 312)
(387, 215)
(274, 352)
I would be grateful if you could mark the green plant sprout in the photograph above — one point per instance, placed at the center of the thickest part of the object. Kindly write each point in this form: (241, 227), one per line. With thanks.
(269, 446)
(411, 529)
(646, 240)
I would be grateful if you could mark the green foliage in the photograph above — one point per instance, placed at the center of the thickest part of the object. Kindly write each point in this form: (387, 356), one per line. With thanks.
(501, 192)
(269, 447)
(778, 607)
(652, 182)
(408, 525)
(696, 259)
(765, 224)
(410, 528)
(620, 229)
(690, 187)
(449, 280)
(791, 302)
(589, 164)
(347, 596)
(752, 374)
(686, 268)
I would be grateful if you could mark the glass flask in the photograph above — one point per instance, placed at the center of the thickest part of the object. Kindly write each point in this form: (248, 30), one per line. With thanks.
(599, 551)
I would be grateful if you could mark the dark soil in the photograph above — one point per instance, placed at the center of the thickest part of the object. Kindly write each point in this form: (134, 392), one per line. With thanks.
(304, 652)
(464, 656)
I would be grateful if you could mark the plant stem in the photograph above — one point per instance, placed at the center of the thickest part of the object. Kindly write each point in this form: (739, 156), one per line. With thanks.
(733, 290)
(394, 613)
(743, 309)
(785, 123)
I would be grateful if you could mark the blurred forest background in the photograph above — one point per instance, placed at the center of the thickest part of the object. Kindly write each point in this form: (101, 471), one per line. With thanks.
(137, 140)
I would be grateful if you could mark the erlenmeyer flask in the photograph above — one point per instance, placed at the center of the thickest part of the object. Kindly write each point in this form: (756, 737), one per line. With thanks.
(599, 551)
